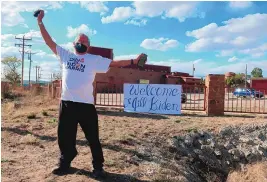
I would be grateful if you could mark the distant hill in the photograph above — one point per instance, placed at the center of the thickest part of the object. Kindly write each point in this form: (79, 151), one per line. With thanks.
(42, 82)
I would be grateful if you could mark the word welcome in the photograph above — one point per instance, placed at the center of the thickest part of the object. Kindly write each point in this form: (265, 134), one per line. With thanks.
(152, 98)
(151, 90)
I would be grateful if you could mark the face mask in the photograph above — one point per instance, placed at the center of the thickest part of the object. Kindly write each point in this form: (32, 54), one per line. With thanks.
(80, 48)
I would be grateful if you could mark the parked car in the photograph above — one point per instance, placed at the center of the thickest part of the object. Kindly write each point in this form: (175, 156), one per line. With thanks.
(248, 93)
(183, 98)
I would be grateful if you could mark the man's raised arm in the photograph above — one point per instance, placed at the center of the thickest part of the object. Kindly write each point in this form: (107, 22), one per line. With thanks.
(47, 38)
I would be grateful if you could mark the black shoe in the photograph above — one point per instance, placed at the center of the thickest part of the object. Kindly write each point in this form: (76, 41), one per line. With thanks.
(61, 170)
(99, 173)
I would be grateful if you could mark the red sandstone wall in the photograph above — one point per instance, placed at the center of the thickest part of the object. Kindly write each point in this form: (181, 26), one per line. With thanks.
(259, 84)
(171, 80)
(104, 52)
(120, 76)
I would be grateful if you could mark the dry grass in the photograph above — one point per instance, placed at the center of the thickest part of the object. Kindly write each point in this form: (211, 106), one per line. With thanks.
(29, 140)
(252, 173)
(31, 144)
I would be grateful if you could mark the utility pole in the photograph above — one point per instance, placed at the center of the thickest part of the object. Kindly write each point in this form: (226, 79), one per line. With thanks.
(37, 73)
(193, 70)
(22, 58)
(30, 58)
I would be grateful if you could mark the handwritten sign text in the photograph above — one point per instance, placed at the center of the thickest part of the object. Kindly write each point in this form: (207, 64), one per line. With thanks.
(152, 98)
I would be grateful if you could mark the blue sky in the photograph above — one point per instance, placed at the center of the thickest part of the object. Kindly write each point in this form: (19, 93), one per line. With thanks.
(215, 36)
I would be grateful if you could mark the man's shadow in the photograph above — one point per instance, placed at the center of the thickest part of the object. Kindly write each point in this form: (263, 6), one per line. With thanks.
(109, 177)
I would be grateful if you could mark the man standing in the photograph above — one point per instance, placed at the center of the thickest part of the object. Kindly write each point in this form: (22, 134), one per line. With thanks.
(77, 102)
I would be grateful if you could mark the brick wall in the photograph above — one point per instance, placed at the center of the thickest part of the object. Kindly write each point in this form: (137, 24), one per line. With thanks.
(259, 84)
(215, 93)
(119, 76)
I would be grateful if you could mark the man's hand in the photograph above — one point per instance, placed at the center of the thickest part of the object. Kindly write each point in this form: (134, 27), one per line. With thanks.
(140, 60)
(40, 16)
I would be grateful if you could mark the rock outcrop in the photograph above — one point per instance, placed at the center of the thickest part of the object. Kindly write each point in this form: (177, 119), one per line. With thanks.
(213, 155)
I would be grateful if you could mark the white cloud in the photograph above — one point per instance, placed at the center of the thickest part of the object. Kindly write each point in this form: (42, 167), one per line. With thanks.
(74, 2)
(204, 68)
(10, 51)
(72, 32)
(225, 53)
(24, 25)
(68, 46)
(241, 41)
(161, 44)
(95, 6)
(239, 67)
(178, 10)
(256, 52)
(39, 56)
(9, 39)
(119, 14)
(32, 34)
(142, 9)
(11, 10)
(197, 61)
(47, 68)
(49, 62)
(136, 22)
(232, 59)
(186, 66)
(240, 4)
(236, 34)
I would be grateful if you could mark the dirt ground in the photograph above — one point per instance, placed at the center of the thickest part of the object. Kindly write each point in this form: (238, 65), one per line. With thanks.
(30, 151)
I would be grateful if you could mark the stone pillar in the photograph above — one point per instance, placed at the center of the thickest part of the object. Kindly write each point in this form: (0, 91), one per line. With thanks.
(215, 93)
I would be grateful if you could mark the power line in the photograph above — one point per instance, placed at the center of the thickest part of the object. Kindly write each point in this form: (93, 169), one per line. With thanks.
(30, 58)
(37, 73)
(23, 45)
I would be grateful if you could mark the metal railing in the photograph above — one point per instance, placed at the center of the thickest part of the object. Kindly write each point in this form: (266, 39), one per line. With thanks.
(195, 97)
(107, 94)
(245, 100)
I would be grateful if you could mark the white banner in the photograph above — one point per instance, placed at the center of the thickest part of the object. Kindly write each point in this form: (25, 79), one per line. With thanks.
(152, 98)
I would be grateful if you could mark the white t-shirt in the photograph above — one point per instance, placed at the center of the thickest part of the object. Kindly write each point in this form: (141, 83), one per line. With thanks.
(78, 74)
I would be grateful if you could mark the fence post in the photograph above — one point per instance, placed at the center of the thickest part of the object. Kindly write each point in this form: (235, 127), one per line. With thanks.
(215, 94)
(49, 89)
(53, 90)
(95, 91)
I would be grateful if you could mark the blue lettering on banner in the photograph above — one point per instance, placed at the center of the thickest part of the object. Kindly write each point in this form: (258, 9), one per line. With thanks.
(154, 98)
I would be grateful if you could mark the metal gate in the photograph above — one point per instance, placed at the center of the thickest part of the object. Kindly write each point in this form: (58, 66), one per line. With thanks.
(245, 100)
(111, 94)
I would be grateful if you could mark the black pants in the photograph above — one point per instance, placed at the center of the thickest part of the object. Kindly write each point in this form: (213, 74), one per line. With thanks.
(72, 113)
